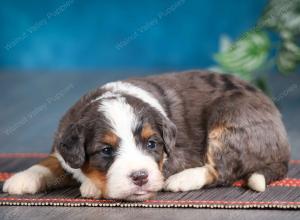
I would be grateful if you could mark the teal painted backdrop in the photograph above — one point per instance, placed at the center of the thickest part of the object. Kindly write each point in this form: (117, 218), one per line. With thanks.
(64, 35)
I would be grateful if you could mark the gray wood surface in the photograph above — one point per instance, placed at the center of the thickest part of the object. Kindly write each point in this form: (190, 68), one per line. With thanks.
(66, 213)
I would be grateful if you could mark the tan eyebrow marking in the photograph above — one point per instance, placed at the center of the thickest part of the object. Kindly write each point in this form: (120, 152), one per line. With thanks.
(110, 138)
(147, 132)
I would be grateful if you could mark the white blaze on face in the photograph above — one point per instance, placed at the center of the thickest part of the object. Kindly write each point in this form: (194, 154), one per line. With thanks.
(130, 89)
(129, 157)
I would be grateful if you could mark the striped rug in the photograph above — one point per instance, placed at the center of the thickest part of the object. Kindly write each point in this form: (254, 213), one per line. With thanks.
(284, 194)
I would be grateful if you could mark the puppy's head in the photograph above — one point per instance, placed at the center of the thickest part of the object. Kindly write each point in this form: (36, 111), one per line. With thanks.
(125, 141)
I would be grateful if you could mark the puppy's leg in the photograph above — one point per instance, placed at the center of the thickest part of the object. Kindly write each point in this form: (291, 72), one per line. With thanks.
(246, 140)
(94, 184)
(236, 155)
(92, 181)
(191, 179)
(45, 175)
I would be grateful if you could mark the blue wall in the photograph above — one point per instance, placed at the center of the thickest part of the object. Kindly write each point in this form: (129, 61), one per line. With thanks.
(116, 35)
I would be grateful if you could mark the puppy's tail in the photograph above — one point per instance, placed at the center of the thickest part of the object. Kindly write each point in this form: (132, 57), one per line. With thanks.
(257, 182)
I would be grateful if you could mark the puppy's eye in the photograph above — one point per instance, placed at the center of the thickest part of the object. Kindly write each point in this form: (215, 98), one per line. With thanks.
(107, 151)
(151, 144)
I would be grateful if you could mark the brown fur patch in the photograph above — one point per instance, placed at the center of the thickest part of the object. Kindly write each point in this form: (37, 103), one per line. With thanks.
(215, 145)
(217, 132)
(212, 174)
(147, 132)
(214, 139)
(209, 158)
(52, 164)
(62, 178)
(162, 161)
(96, 176)
(111, 139)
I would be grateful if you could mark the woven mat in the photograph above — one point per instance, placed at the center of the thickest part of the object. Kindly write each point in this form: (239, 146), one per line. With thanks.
(284, 194)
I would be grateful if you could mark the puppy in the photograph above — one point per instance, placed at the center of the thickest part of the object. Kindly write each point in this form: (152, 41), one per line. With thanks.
(178, 132)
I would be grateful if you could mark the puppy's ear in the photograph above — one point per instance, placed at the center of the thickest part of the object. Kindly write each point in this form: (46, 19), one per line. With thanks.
(169, 131)
(71, 146)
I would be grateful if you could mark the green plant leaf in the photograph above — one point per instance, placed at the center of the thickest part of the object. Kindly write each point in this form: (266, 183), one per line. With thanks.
(283, 17)
(246, 55)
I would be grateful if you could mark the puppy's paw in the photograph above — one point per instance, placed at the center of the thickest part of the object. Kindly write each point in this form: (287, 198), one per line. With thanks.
(89, 190)
(30, 181)
(189, 179)
(257, 182)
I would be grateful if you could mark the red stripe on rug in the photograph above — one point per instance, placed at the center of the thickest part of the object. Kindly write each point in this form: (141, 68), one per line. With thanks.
(4, 176)
(222, 202)
(287, 182)
(23, 155)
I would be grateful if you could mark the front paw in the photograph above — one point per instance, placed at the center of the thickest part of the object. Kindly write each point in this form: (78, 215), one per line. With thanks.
(89, 190)
(29, 181)
(190, 179)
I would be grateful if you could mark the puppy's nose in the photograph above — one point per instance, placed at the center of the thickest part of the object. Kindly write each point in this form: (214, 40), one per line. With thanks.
(139, 177)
